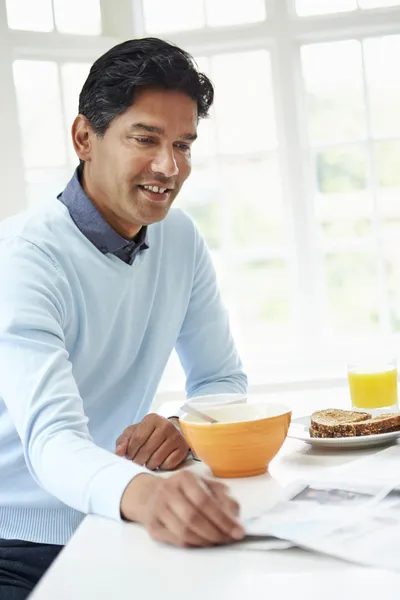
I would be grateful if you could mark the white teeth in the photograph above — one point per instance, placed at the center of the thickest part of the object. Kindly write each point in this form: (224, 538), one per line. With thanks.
(155, 189)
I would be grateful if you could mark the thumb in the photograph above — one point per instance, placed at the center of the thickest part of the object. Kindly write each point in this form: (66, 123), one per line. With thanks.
(122, 447)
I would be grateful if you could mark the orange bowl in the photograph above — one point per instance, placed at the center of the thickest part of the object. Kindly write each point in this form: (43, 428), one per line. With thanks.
(243, 442)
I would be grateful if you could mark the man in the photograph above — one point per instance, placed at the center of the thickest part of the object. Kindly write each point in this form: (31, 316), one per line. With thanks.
(97, 288)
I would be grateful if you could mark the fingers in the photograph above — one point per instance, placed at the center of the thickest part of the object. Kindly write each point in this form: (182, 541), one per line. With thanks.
(176, 458)
(186, 510)
(222, 492)
(122, 447)
(171, 529)
(124, 437)
(155, 442)
(211, 506)
(169, 455)
(191, 520)
(139, 436)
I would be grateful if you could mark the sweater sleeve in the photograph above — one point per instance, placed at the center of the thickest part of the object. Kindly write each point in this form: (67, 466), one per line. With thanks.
(205, 345)
(40, 392)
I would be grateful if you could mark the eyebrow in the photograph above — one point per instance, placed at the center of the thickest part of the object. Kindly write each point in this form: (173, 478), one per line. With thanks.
(190, 137)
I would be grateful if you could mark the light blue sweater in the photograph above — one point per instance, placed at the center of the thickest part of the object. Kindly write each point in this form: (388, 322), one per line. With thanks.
(84, 340)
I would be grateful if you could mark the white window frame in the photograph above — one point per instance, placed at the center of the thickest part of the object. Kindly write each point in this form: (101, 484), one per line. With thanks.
(282, 33)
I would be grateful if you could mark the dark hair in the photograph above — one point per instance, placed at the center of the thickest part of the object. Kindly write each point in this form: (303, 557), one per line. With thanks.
(114, 78)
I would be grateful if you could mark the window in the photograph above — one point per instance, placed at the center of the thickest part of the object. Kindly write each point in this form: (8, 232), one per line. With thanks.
(322, 7)
(351, 87)
(296, 180)
(24, 14)
(346, 101)
(235, 195)
(180, 15)
(47, 99)
(65, 16)
(318, 7)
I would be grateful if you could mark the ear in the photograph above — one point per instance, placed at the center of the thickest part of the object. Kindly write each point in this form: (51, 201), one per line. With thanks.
(82, 135)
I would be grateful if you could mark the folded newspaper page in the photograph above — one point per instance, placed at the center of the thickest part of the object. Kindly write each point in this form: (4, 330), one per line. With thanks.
(352, 513)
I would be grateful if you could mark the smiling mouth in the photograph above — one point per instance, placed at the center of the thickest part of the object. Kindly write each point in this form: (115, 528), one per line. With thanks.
(155, 189)
(156, 194)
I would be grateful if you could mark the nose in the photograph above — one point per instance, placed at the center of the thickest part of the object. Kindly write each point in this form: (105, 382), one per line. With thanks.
(164, 162)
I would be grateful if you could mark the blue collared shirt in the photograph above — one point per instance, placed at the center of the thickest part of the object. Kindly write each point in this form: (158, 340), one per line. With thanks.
(93, 225)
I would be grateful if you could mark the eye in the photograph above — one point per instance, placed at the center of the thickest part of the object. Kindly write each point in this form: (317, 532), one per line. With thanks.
(184, 147)
(144, 140)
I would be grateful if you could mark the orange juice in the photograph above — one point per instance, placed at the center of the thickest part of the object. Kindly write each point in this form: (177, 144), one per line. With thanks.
(373, 389)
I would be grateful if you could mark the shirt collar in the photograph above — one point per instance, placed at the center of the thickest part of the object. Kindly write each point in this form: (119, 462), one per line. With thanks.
(93, 225)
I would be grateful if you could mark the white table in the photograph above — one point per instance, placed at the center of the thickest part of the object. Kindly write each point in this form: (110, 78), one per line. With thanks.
(107, 560)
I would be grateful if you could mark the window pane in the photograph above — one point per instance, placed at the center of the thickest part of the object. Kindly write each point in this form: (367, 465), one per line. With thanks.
(40, 114)
(352, 291)
(345, 215)
(393, 275)
(388, 173)
(45, 184)
(205, 145)
(343, 204)
(320, 7)
(174, 15)
(389, 210)
(342, 169)
(260, 303)
(377, 3)
(78, 16)
(244, 113)
(73, 76)
(28, 15)
(382, 72)
(333, 81)
(226, 12)
(252, 192)
(199, 197)
(387, 156)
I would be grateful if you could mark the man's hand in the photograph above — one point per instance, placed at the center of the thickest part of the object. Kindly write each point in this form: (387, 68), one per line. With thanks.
(154, 442)
(184, 510)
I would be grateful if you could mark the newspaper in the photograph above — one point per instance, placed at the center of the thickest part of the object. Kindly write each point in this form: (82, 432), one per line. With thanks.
(352, 513)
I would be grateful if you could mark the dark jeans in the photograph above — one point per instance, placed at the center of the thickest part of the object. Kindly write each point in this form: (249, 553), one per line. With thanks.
(21, 566)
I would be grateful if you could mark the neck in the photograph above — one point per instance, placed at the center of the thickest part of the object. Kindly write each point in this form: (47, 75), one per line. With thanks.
(126, 230)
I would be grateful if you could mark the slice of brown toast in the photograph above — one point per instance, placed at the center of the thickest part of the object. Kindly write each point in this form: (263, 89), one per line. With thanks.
(324, 420)
(334, 423)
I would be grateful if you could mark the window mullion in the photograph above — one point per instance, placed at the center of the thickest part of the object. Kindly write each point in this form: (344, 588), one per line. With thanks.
(53, 14)
(297, 187)
(384, 303)
(11, 167)
(123, 21)
(336, 27)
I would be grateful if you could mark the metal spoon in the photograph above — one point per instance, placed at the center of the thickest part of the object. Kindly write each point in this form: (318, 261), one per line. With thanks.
(196, 413)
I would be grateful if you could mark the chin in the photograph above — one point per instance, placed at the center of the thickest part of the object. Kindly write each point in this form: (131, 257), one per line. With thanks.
(154, 215)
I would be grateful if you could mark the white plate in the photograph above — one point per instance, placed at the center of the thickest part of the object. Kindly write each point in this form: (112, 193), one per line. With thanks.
(299, 431)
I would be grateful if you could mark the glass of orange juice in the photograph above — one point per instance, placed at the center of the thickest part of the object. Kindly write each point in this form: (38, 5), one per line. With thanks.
(373, 387)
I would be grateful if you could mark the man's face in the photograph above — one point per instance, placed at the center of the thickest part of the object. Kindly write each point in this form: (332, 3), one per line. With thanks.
(134, 173)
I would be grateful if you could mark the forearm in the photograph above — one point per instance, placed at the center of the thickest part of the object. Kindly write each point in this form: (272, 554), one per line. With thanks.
(83, 475)
(205, 345)
(44, 403)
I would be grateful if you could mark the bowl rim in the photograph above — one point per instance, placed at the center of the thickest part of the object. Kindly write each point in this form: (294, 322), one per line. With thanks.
(231, 398)
(285, 410)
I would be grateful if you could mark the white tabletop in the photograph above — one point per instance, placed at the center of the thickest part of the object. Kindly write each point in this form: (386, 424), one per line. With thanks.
(107, 560)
